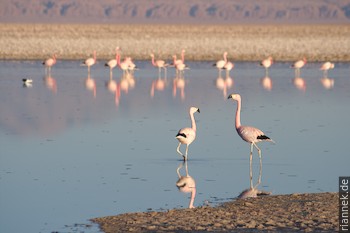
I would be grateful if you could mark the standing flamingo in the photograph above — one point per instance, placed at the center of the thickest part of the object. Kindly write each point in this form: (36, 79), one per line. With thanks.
(249, 134)
(298, 65)
(160, 64)
(48, 63)
(90, 62)
(266, 63)
(221, 63)
(187, 135)
(112, 63)
(325, 67)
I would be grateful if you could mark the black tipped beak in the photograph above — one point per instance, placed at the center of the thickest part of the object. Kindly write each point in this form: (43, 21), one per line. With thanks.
(198, 110)
(229, 97)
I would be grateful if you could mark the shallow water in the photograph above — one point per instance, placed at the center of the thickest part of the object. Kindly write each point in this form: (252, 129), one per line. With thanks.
(69, 154)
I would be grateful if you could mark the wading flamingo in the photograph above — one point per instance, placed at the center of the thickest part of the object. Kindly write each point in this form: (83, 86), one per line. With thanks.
(159, 64)
(112, 63)
(221, 63)
(325, 67)
(90, 62)
(187, 135)
(266, 63)
(48, 63)
(186, 184)
(298, 65)
(249, 134)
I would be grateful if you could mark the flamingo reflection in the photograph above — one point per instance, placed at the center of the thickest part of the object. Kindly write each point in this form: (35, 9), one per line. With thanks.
(266, 83)
(253, 191)
(299, 83)
(90, 85)
(179, 83)
(50, 83)
(186, 184)
(327, 83)
(224, 84)
(158, 85)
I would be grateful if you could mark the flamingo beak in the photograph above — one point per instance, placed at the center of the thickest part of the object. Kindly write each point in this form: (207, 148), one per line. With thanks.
(198, 110)
(229, 97)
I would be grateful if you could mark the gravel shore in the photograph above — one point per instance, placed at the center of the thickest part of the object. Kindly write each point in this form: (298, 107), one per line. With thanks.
(317, 212)
(201, 42)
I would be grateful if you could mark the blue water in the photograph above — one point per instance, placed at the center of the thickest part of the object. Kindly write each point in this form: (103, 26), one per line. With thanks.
(68, 154)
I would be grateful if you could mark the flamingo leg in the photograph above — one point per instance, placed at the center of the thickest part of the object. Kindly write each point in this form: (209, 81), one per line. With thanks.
(185, 157)
(178, 149)
(260, 171)
(250, 166)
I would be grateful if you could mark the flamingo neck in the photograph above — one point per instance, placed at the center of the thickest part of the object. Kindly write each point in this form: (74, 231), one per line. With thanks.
(174, 59)
(225, 58)
(193, 122)
(238, 114)
(153, 63)
(118, 58)
(183, 56)
(94, 56)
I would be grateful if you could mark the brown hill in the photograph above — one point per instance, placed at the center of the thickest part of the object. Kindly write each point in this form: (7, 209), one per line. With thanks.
(179, 11)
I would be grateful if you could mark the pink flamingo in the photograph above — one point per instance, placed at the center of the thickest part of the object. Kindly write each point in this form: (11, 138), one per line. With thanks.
(112, 63)
(124, 66)
(249, 134)
(298, 65)
(187, 135)
(160, 64)
(48, 63)
(221, 63)
(266, 63)
(325, 67)
(90, 62)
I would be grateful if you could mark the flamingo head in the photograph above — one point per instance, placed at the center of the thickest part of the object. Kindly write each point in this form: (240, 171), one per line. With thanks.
(194, 109)
(236, 97)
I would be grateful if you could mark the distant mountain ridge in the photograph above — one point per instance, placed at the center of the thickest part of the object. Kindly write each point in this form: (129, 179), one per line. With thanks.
(175, 11)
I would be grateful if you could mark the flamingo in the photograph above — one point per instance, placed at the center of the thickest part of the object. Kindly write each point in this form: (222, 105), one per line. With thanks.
(298, 65)
(187, 135)
(228, 67)
(160, 64)
(249, 134)
(221, 63)
(90, 62)
(266, 63)
(124, 66)
(48, 63)
(325, 67)
(186, 184)
(112, 63)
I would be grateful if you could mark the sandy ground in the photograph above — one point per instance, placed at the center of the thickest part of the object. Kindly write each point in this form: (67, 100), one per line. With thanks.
(202, 42)
(287, 213)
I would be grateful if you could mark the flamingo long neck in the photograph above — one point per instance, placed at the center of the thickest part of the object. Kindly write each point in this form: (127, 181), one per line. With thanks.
(174, 59)
(225, 58)
(118, 59)
(194, 127)
(153, 63)
(238, 114)
(183, 56)
(94, 56)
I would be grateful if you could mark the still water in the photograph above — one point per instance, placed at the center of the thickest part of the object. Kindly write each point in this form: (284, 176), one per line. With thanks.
(72, 149)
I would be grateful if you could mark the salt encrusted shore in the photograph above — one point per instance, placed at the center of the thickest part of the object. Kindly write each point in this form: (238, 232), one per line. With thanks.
(201, 42)
(314, 212)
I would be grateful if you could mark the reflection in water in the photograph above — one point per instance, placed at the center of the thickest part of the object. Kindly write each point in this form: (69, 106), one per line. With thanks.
(224, 84)
(266, 83)
(187, 135)
(179, 83)
(158, 85)
(249, 134)
(186, 184)
(299, 83)
(50, 84)
(90, 85)
(327, 83)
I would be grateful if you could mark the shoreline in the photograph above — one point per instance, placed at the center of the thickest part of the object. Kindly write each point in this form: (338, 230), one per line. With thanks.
(309, 212)
(202, 42)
